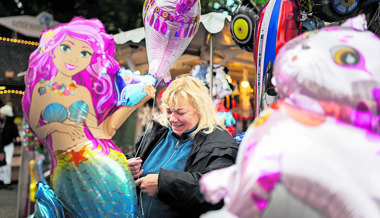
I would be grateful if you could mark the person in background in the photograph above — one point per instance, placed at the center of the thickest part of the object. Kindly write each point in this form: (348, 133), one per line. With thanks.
(9, 135)
(185, 143)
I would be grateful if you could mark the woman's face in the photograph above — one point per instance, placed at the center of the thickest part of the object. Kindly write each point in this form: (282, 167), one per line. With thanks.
(72, 56)
(182, 118)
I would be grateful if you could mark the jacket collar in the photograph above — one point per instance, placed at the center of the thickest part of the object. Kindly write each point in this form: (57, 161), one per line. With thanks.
(185, 135)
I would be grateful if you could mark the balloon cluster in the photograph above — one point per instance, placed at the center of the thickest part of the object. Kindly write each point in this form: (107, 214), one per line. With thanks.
(220, 86)
(263, 26)
(306, 147)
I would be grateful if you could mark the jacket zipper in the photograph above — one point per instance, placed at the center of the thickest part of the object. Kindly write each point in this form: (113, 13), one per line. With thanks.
(175, 149)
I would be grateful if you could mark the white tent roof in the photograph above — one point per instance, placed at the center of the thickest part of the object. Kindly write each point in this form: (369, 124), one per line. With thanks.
(131, 52)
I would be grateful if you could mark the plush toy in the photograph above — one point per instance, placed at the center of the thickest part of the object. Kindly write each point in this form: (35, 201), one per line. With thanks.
(220, 89)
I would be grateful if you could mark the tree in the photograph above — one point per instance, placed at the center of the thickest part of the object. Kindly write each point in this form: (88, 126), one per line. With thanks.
(221, 6)
(116, 15)
(121, 14)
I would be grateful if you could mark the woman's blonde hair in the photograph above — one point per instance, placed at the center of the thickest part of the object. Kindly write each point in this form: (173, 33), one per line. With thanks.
(187, 87)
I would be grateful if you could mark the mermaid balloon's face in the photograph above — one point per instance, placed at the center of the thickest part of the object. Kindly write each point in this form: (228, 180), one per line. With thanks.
(72, 56)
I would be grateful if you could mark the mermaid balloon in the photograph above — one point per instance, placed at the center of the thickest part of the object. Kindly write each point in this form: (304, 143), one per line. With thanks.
(76, 97)
(169, 27)
(316, 151)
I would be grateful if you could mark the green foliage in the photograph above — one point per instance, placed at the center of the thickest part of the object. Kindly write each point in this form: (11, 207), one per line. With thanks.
(115, 14)
(220, 6)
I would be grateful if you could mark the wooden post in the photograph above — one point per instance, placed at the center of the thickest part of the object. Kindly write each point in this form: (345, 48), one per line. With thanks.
(23, 183)
(211, 62)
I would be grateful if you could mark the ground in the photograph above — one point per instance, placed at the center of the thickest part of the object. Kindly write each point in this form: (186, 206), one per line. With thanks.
(8, 202)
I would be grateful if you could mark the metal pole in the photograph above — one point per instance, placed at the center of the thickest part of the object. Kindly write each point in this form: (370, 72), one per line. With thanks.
(211, 62)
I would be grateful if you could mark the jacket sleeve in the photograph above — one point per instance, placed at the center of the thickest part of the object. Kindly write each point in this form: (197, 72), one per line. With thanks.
(181, 189)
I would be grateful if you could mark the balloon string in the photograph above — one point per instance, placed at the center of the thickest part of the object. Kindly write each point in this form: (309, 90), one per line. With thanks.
(138, 149)
(375, 17)
(142, 209)
(147, 125)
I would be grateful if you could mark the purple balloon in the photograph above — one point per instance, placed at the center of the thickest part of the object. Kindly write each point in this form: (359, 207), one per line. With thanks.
(166, 45)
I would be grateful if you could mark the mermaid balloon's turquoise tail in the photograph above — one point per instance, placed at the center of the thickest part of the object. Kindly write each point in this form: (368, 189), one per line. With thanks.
(47, 204)
(94, 185)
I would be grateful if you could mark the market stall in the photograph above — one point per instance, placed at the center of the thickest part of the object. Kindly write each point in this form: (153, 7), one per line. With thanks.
(131, 50)
(211, 44)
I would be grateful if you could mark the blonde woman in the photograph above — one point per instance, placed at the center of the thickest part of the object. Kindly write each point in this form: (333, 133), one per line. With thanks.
(187, 142)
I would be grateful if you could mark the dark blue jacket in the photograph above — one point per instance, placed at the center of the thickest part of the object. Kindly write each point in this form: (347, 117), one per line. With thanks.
(180, 189)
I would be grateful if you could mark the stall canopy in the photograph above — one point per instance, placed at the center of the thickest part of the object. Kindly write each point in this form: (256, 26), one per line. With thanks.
(213, 34)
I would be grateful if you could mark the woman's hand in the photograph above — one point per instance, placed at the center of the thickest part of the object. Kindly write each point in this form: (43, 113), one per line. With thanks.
(135, 167)
(148, 184)
(113, 122)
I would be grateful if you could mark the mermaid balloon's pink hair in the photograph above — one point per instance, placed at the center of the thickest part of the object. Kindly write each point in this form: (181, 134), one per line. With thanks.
(98, 77)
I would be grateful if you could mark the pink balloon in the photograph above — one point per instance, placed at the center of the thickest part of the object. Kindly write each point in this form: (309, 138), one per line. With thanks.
(169, 27)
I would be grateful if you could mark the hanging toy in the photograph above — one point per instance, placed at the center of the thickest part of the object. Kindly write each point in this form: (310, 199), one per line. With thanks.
(221, 88)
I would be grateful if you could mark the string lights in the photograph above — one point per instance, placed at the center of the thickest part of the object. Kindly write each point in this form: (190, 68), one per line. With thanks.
(3, 90)
(21, 41)
(12, 91)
